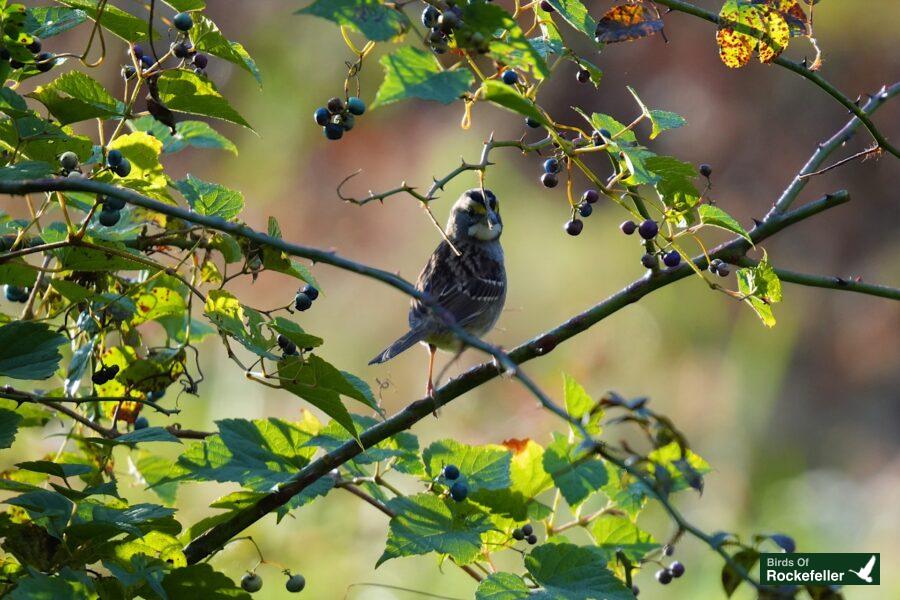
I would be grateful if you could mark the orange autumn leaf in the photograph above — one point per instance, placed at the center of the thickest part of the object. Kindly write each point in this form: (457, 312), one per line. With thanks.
(626, 23)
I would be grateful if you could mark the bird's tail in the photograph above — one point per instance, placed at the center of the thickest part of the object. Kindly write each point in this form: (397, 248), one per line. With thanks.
(411, 338)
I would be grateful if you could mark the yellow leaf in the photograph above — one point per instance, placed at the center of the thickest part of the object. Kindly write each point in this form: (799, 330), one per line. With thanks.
(777, 34)
(736, 22)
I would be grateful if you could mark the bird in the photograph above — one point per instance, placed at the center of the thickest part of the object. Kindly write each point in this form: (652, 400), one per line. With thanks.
(866, 572)
(470, 285)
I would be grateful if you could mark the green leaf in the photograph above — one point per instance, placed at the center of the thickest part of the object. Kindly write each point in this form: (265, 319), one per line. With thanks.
(509, 98)
(715, 216)
(581, 406)
(211, 199)
(281, 262)
(157, 303)
(9, 426)
(64, 470)
(46, 22)
(16, 272)
(731, 580)
(227, 313)
(403, 446)
(675, 187)
(322, 385)
(50, 510)
(75, 97)
(506, 42)
(148, 434)
(259, 455)
(635, 158)
(188, 92)
(671, 458)
(149, 471)
(664, 120)
(528, 480)
(207, 38)
(372, 18)
(77, 366)
(762, 288)
(196, 134)
(29, 350)
(117, 21)
(615, 533)
(186, 5)
(75, 258)
(503, 586)
(202, 581)
(147, 175)
(594, 70)
(576, 477)
(570, 572)
(65, 585)
(414, 73)
(482, 467)
(28, 169)
(574, 12)
(425, 523)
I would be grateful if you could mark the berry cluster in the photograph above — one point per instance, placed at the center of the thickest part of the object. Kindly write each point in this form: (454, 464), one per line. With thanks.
(305, 297)
(526, 532)
(441, 27)
(648, 230)
(18, 294)
(287, 346)
(459, 491)
(104, 374)
(251, 582)
(338, 116)
(550, 177)
(182, 48)
(673, 571)
(110, 211)
(584, 208)
(718, 267)
(43, 61)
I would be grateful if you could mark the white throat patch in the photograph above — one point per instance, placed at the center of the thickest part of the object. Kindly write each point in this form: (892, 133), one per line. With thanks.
(482, 232)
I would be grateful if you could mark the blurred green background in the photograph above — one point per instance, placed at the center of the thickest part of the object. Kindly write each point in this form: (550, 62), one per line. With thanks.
(801, 423)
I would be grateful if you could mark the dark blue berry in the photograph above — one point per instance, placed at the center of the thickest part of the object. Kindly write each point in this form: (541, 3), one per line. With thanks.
(335, 106)
(583, 76)
(45, 61)
(302, 302)
(347, 121)
(68, 160)
(518, 534)
(664, 576)
(295, 583)
(356, 106)
(138, 51)
(430, 16)
(113, 203)
(672, 258)
(448, 21)
(532, 539)
(451, 472)
(200, 60)
(585, 210)
(141, 423)
(333, 131)
(677, 569)
(183, 21)
(35, 46)
(322, 116)
(251, 582)
(648, 229)
(114, 158)
(147, 62)
(549, 180)
(510, 77)
(528, 529)
(705, 170)
(532, 123)
(547, 7)
(628, 227)
(15, 293)
(649, 261)
(574, 226)
(181, 50)
(123, 169)
(590, 196)
(128, 72)
(459, 491)
(310, 291)
(551, 165)
(108, 218)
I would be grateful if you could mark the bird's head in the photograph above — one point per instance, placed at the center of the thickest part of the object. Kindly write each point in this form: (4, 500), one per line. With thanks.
(475, 217)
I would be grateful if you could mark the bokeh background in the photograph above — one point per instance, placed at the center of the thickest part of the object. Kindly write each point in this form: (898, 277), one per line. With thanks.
(800, 423)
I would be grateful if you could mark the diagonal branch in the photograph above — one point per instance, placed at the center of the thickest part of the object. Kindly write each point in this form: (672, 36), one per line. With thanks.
(832, 283)
(797, 68)
(212, 539)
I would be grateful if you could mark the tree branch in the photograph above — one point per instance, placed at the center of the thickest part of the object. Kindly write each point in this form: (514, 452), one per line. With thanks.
(212, 539)
(832, 283)
(799, 69)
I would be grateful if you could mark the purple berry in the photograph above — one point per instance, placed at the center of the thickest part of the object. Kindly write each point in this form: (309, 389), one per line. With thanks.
(549, 180)
(590, 196)
(574, 226)
(677, 569)
(648, 229)
(672, 258)
(628, 227)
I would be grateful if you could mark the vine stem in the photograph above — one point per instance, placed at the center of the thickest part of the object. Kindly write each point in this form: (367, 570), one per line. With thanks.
(799, 69)
(828, 282)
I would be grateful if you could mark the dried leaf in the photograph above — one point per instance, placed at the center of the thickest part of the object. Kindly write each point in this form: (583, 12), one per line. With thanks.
(626, 23)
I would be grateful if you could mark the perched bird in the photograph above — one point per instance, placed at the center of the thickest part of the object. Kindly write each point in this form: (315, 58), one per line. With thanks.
(471, 286)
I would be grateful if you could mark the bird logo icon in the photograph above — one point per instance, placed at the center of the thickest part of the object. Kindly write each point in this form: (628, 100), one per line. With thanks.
(866, 572)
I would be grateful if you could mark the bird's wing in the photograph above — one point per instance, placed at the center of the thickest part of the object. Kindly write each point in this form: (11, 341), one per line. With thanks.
(465, 285)
(868, 568)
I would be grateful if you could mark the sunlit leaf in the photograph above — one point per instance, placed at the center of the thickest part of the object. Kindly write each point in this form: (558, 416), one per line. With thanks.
(372, 18)
(413, 73)
(625, 23)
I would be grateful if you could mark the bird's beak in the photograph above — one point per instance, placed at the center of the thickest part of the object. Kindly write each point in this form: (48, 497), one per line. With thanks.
(493, 221)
